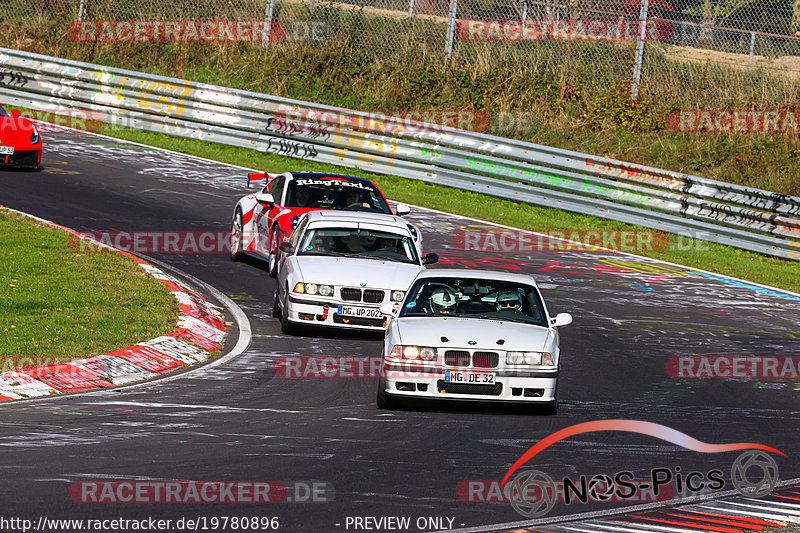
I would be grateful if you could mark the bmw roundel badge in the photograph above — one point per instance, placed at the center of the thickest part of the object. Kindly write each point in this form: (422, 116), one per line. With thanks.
(472, 343)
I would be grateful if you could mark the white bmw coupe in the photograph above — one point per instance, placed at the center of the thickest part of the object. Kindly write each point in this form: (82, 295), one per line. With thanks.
(471, 335)
(339, 267)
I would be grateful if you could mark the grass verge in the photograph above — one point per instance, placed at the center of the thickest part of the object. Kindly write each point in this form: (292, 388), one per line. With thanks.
(690, 252)
(57, 304)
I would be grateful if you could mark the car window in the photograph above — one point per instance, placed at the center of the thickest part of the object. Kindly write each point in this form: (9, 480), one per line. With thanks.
(275, 188)
(298, 232)
(3, 112)
(335, 193)
(490, 299)
(361, 243)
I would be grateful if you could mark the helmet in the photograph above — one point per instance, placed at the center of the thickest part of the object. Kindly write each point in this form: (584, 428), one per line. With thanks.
(443, 300)
(508, 300)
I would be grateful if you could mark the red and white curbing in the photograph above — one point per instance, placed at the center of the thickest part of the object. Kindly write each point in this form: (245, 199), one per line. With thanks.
(200, 330)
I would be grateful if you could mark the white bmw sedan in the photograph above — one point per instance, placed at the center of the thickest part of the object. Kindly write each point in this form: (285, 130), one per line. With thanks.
(339, 267)
(471, 335)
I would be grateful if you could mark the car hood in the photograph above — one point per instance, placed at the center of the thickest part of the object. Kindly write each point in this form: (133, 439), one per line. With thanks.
(346, 271)
(15, 131)
(428, 331)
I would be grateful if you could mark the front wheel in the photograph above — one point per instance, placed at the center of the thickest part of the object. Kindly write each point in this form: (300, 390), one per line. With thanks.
(288, 328)
(276, 308)
(273, 253)
(384, 400)
(237, 230)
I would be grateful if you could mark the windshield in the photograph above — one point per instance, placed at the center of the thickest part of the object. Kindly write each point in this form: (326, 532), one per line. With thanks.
(335, 193)
(361, 243)
(477, 298)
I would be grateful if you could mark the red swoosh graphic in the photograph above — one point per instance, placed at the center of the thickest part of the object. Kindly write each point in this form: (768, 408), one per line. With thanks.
(634, 426)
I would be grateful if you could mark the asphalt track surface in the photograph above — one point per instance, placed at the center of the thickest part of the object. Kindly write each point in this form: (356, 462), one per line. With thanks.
(240, 422)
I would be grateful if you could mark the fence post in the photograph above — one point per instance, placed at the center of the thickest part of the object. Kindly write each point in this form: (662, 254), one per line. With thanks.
(81, 10)
(268, 22)
(524, 13)
(451, 28)
(637, 63)
(410, 8)
(752, 48)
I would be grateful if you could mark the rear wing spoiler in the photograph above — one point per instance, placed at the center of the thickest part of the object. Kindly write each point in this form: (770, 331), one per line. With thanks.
(260, 177)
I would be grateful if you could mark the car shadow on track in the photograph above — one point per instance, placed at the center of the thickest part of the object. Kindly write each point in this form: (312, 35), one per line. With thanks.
(472, 407)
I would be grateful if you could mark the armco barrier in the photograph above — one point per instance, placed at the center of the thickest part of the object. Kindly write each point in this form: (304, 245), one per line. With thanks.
(199, 332)
(702, 208)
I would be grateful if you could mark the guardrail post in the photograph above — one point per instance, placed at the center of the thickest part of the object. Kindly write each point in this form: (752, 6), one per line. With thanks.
(268, 22)
(451, 28)
(637, 64)
(752, 48)
(81, 10)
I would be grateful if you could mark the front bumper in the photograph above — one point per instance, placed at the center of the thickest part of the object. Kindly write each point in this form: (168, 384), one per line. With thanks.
(306, 310)
(22, 158)
(528, 386)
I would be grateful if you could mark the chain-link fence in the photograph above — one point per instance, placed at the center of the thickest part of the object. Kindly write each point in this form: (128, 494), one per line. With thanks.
(602, 39)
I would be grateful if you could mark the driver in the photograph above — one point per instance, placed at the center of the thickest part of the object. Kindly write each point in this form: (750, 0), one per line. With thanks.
(509, 301)
(443, 301)
(302, 197)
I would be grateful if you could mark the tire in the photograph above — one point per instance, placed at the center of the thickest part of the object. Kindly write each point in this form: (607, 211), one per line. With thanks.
(272, 264)
(237, 231)
(276, 307)
(288, 328)
(550, 409)
(385, 400)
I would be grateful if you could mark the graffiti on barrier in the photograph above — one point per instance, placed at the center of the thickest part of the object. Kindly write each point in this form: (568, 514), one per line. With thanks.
(9, 78)
(289, 148)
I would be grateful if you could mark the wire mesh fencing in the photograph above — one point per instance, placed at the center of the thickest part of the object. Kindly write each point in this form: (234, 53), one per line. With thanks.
(606, 40)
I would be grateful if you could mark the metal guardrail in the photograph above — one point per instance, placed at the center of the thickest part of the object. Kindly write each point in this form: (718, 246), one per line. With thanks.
(702, 208)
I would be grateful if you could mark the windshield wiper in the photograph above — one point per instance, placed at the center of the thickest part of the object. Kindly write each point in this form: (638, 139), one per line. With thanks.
(330, 253)
(385, 258)
(495, 317)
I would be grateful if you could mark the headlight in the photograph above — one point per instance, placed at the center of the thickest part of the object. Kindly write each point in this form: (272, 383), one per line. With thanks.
(425, 353)
(529, 358)
(35, 136)
(313, 288)
(397, 296)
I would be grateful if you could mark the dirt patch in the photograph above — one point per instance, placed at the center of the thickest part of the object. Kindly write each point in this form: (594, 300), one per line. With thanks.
(788, 65)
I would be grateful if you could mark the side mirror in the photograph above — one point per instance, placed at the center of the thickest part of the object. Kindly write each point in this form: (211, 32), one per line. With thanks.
(15, 113)
(402, 210)
(389, 308)
(561, 319)
(430, 259)
(286, 247)
(265, 198)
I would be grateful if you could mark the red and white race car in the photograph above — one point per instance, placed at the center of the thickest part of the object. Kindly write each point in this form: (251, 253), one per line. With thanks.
(263, 220)
(20, 142)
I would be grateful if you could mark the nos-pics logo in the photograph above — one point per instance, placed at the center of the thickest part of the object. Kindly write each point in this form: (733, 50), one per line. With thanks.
(533, 493)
